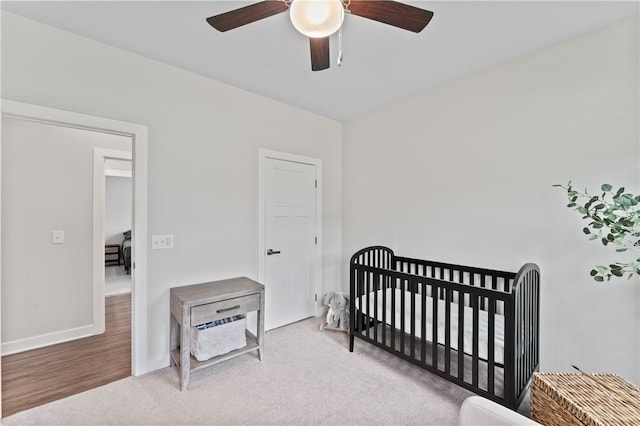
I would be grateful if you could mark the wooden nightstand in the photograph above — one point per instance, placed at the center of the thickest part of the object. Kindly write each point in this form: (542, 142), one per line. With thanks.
(200, 303)
(111, 254)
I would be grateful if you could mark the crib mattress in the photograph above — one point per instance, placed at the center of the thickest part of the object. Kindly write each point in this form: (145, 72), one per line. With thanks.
(468, 321)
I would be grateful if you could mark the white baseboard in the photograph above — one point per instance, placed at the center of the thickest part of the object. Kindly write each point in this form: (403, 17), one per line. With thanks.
(156, 363)
(36, 342)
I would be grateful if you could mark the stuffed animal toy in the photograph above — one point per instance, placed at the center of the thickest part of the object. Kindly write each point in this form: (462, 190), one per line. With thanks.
(338, 315)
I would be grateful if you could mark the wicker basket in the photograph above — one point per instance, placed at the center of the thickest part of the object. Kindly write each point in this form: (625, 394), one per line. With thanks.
(584, 399)
(218, 337)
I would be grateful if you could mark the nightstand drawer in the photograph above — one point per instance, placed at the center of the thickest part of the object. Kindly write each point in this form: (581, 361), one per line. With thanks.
(111, 254)
(224, 309)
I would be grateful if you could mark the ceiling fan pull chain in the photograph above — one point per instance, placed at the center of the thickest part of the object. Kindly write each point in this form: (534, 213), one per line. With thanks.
(339, 62)
(346, 4)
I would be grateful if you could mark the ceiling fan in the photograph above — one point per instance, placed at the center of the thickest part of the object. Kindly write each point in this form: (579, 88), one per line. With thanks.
(318, 19)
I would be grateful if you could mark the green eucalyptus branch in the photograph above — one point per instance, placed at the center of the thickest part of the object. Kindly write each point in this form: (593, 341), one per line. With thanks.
(613, 218)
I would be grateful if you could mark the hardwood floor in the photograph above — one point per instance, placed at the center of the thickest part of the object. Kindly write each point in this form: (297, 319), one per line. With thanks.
(43, 375)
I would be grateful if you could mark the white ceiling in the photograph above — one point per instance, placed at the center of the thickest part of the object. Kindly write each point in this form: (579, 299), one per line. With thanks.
(382, 64)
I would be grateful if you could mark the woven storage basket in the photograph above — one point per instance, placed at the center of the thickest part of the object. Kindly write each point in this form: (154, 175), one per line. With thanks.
(584, 399)
(218, 339)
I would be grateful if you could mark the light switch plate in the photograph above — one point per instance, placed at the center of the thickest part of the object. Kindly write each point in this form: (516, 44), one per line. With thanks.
(161, 241)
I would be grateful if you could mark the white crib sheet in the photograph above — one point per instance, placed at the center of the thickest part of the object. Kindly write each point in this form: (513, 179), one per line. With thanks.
(468, 321)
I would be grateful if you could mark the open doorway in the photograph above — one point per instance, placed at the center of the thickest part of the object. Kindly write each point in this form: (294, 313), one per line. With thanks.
(118, 205)
(56, 314)
(64, 236)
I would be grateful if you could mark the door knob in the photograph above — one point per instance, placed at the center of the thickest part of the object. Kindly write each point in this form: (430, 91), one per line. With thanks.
(271, 252)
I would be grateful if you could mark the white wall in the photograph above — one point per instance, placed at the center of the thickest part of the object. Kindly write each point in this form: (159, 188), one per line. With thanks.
(117, 208)
(203, 153)
(463, 174)
(47, 175)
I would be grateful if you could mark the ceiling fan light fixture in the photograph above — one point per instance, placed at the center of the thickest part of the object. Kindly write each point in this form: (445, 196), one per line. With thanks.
(317, 18)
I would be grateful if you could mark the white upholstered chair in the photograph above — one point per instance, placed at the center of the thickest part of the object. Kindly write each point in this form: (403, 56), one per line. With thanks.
(479, 411)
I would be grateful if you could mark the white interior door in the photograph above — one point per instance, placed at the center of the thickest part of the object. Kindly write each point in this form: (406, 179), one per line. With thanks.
(290, 241)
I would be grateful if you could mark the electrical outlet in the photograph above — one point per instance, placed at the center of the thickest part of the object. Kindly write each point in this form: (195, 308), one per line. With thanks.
(161, 241)
(57, 237)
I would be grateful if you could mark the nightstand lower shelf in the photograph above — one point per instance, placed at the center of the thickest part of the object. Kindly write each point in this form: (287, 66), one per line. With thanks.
(195, 365)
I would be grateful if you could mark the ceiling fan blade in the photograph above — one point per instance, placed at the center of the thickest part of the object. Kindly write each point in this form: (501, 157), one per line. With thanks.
(319, 53)
(246, 15)
(392, 13)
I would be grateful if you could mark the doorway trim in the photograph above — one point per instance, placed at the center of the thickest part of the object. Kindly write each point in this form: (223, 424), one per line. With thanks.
(263, 155)
(139, 136)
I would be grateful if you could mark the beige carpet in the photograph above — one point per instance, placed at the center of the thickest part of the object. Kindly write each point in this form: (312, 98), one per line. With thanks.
(116, 280)
(307, 377)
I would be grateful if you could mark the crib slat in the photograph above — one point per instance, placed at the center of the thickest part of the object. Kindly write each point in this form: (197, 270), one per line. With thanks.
(376, 279)
(516, 345)
(368, 313)
(522, 333)
(529, 347)
(394, 283)
(403, 307)
(447, 331)
(412, 343)
(523, 340)
(532, 345)
(536, 306)
(529, 326)
(527, 329)
(423, 325)
(435, 293)
(518, 342)
(365, 293)
(532, 335)
(352, 309)
(384, 310)
(461, 296)
(509, 355)
(369, 278)
(360, 292)
(491, 319)
(474, 350)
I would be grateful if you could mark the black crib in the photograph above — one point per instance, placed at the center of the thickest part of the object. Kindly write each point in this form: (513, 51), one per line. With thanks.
(501, 309)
